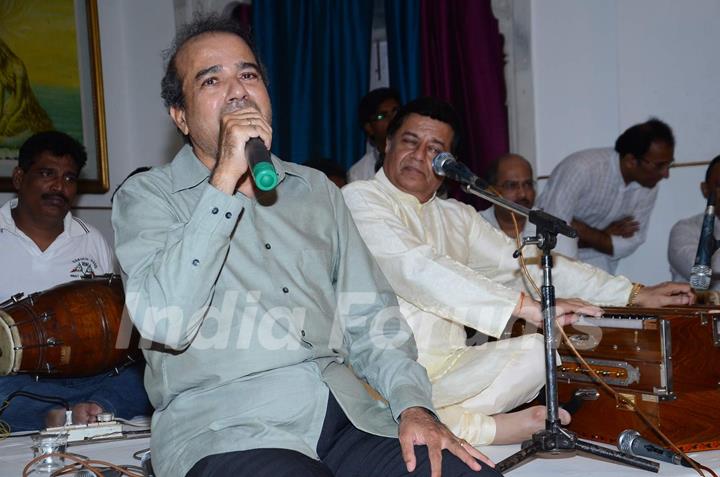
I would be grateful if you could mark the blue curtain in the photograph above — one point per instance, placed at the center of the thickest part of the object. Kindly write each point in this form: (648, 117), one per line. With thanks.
(317, 53)
(402, 22)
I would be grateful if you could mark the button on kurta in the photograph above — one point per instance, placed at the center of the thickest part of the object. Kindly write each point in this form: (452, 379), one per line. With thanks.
(215, 210)
(228, 215)
(286, 290)
(267, 246)
(196, 262)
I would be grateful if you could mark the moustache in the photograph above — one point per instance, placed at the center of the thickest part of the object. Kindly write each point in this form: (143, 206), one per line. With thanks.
(239, 105)
(59, 196)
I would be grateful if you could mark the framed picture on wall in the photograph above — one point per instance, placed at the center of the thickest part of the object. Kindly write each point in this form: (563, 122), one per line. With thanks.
(51, 78)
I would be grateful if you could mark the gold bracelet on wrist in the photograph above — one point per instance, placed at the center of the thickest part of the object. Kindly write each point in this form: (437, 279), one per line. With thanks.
(634, 293)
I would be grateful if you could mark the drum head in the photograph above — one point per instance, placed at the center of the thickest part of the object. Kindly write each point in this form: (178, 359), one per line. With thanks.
(10, 359)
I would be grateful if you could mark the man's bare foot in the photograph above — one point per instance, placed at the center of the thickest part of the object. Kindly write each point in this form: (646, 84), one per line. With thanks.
(86, 412)
(83, 413)
(515, 427)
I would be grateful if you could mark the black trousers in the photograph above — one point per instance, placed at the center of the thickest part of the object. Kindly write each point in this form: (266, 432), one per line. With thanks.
(344, 450)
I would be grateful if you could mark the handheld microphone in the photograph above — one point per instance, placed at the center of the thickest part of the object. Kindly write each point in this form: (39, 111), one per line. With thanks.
(445, 164)
(630, 442)
(261, 168)
(701, 271)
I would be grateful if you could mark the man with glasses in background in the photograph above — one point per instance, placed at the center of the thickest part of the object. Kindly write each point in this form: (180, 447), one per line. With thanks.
(607, 195)
(511, 177)
(375, 111)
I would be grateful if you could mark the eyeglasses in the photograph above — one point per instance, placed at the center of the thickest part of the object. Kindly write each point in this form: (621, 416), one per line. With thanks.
(515, 186)
(658, 166)
(384, 115)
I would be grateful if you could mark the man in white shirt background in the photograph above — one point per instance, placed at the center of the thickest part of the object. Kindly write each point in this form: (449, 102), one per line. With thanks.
(607, 194)
(511, 177)
(43, 245)
(685, 234)
(376, 110)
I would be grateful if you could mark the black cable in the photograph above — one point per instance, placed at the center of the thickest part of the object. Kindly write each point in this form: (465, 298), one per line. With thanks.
(37, 397)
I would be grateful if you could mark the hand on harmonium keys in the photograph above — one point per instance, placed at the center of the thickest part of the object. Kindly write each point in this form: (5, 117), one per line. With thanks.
(663, 294)
(567, 310)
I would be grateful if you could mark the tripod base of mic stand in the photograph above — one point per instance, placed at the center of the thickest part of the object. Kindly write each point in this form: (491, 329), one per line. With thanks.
(558, 442)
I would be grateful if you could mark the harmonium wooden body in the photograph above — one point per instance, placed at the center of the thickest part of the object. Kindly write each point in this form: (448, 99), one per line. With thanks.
(666, 361)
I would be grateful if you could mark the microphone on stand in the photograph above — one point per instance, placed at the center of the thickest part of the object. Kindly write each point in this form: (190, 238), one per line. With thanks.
(630, 442)
(445, 164)
(701, 271)
(261, 167)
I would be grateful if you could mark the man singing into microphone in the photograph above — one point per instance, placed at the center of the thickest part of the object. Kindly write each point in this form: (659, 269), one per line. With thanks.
(451, 269)
(256, 301)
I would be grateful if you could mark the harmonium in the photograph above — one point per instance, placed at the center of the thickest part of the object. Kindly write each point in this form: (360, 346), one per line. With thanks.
(666, 361)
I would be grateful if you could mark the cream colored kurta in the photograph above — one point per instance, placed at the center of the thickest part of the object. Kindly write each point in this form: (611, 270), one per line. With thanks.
(450, 269)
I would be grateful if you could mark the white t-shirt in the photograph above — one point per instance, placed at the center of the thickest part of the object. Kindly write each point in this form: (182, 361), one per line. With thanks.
(79, 250)
(364, 169)
(682, 247)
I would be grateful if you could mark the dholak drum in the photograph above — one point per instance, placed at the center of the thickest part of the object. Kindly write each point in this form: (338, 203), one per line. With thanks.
(70, 330)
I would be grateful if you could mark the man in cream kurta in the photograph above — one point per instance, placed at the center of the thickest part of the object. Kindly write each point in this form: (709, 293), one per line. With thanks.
(451, 269)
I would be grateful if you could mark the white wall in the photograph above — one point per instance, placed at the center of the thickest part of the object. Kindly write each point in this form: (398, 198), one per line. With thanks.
(133, 34)
(601, 66)
(597, 67)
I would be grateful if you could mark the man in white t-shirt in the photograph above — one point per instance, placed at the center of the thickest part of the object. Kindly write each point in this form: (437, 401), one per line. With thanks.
(79, 250)
(44, 245)
(375, 111)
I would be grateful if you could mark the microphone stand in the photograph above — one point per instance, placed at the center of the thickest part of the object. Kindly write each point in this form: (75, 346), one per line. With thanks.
(554, 439)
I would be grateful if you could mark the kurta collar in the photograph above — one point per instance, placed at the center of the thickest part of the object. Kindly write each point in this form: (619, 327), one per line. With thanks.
(401, 195)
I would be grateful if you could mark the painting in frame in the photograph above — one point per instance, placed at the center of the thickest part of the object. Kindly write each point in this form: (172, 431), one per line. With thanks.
(51, 78)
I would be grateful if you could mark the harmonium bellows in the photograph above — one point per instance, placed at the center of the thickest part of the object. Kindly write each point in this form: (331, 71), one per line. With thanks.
(666, 361)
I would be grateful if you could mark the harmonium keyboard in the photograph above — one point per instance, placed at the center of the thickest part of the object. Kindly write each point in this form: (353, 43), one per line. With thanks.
(666, 361)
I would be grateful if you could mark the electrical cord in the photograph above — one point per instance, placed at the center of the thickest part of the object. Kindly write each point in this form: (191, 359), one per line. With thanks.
(37, 397)
(141, 453)
(5, 428)
(91, 465)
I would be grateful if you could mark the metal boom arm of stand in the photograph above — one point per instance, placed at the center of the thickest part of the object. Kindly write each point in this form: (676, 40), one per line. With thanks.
(541, 219)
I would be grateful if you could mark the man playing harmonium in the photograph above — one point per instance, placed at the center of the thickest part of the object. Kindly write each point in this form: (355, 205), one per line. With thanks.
(43, 245)
(450, 268)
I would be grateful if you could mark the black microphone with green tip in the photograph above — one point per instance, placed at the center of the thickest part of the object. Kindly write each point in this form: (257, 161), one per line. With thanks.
(261, 167)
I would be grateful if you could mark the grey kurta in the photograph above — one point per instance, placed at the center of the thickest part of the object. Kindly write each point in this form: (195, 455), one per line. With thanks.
(262, 303)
